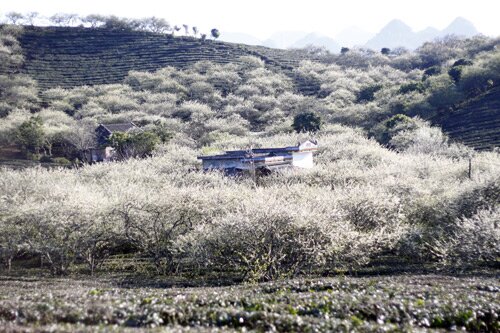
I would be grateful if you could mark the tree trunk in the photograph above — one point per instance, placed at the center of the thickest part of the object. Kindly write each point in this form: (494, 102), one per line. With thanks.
(91, 262)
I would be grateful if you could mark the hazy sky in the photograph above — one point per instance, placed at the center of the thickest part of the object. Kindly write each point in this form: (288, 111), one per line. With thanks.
(263, 17)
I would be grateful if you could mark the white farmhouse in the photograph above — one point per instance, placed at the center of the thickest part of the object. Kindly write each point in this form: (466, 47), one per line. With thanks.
(263, 160)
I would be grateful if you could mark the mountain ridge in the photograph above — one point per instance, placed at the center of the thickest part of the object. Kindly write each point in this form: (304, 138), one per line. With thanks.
(396, 33)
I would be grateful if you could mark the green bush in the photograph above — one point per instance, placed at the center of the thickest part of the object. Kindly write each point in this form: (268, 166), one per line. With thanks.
(139, 144)
(434, 70)
(33, 156)
(31, 135)
(462, 62)
(389, 128)
(62, 161)
(367, 94)
(443, 92)
(46, 159)
(455, 73)
(411, 87)
(307, 122)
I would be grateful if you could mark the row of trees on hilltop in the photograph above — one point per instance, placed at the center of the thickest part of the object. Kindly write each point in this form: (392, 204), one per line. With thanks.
(150, 24)
(435, 53)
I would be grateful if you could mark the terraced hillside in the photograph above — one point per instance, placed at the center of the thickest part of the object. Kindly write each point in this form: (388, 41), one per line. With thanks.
(476, 123)
(67, 57)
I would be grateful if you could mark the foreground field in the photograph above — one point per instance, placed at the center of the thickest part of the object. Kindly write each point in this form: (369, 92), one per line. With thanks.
(414, 302)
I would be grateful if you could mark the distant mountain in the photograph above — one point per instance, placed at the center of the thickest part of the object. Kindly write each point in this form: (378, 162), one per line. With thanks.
(238, 37)
(317, 40)
(284, 39)
(428, 33)
(353, 36)
(396, 33)
(423, 36)
(460, 27)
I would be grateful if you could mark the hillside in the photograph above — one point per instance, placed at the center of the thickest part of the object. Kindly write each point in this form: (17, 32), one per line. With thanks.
(68, 57)
(476, 123)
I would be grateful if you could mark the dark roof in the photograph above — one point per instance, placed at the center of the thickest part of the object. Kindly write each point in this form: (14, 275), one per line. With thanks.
(258, 154)
(104, 131)
(119, 127)
(263, 150)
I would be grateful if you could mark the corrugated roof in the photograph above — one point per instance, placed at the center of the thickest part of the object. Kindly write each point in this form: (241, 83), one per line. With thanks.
(259, 153)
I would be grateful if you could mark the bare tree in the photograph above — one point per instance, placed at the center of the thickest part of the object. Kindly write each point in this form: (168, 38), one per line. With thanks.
(158, 25)
(95, 20)
(195, 31)
(57, 19)
(117, 23)
(186, 28)
(30, 18)
(14, 17)
(62, 19)
(83, 138)
(176, 28)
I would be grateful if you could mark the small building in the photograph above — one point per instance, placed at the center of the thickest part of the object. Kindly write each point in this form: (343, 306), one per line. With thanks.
(103, 152)
(262, 160)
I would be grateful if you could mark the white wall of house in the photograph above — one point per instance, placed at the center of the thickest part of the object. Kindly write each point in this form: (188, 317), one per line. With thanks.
(105, 154)
(109, 154)
(303, 160)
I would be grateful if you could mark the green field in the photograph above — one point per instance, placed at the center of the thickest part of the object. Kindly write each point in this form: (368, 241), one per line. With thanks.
(365, 304)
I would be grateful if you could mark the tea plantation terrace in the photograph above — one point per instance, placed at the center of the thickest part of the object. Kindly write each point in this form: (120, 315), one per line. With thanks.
(69, 56)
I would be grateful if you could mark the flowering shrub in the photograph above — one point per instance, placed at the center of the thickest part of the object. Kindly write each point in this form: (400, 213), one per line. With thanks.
(359, 202)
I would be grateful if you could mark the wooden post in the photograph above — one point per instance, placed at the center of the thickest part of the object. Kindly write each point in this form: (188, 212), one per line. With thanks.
(252, 163)
(470, 167)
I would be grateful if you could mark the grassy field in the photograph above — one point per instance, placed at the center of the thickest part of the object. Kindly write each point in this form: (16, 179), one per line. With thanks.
(381, 304)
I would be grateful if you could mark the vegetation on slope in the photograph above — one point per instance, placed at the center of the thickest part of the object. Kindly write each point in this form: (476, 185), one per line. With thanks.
(360, 202)
(432, 303)
(475, 122)
(413, 197)
(69, 57)
(358, 87)
(388, 189)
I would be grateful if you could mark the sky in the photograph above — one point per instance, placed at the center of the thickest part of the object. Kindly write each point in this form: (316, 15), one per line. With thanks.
(261, 18)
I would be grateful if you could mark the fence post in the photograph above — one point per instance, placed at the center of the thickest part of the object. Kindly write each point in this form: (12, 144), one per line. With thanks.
(470, 167)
